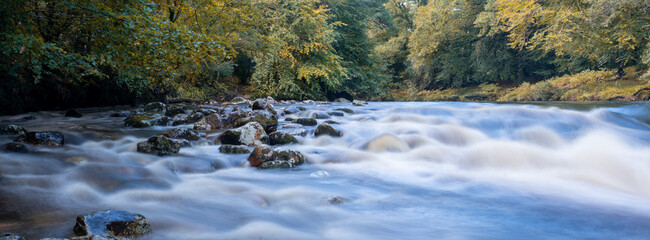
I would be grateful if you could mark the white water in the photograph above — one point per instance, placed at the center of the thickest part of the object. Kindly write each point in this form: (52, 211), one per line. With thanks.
(406, 170)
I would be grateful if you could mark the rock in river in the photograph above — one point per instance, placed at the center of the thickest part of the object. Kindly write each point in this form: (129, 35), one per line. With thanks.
(12, 130)
(209, 122)
(16, 147)
(264, 157)
(306, 121)
(280, 138)
(326, 129)
(43, 138)
(111, 223)
(268, 120)
(250, 134)
(145, 120)
(233, 149)
(10, 236)
(182, 133)
(154, 107)
(159, 145)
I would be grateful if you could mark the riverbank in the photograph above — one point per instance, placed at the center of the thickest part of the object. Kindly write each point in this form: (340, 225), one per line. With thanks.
(585, 86)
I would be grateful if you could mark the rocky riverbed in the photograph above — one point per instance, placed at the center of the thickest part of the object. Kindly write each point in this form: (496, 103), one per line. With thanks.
(250, 169)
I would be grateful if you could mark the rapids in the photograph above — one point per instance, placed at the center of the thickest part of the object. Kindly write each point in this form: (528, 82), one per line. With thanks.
(403, 170)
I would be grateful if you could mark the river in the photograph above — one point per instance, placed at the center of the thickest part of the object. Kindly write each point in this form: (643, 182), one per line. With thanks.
(402, 170)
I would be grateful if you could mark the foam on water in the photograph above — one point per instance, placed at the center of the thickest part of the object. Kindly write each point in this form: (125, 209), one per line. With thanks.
(403, 170)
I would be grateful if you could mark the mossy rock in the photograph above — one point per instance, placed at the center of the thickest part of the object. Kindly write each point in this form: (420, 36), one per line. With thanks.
(154, 107)
(159, 145)
(345, 110)
(182, 133)
(280, 138)
(306, 121)
(326, 129)
(12, 130)
(145, 120)
(233, 149)
(268, 120)
(275, 164)
(111, 223)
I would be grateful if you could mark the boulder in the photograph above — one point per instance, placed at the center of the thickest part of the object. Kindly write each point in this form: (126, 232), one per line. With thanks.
(386, 143)
(145, 120)
(239, 100)
(181, 119)
(261, 154)
(264, 157)
(305, 121)
(172, 111)
(43, 138)
(250, 134)
(10, 236)
(73, 113)
(291, 110)
(320, 115)
(233, 149)
(182, 133)
(16, 147)
(154, 107)
(326, 129)
(111, 223)
(336, 114)
(209, 122)
(159, 145)
(259, 104)
(268, 120)
(358, 103)
(345, 110)
(12, 130)
(280, 138)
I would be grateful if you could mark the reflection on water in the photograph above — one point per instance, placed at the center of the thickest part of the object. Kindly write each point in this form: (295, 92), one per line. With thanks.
(404, 170)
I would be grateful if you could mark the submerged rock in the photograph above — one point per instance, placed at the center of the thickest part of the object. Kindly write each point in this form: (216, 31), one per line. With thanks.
(145, 120)
(291, 110)
(159, 145)
(182, 133)
(320, 115)
(280, 138)
(154, 107)
(16, 147)
(264, 157)
(345, 110)
(111, 223)
(336, 200)
(210, 122)
(386, 143)
(326, 129)
(73, 113)
(12, 130)
(305, 121)
(233, 149)
(250, 134)
(10, 236)
(336, 114)
(43, 138)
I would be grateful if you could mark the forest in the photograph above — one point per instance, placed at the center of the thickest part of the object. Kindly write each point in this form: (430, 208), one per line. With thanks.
(57, 54)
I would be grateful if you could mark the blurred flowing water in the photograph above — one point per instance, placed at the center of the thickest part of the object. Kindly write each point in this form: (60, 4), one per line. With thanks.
(404, 170)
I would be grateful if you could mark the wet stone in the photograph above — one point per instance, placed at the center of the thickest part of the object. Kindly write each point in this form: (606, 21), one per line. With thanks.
(209, 122)
(10, 236)
(264, 157)
(345, 110)
(326, 129)
(154, 107)
(174, 110)
(16, 147)
(181, 119)
(336, 114)
(111, 223)
(291, 110)
(145, 120)
(280, 138)
(250, 134)
(233, 149)
(12, 130)
(43, 138)
(268, 120)
(336, 200)
(159, 145)
(182, 133)
(306, 121)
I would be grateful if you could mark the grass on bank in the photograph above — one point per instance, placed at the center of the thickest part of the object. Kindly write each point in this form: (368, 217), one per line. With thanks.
(604, 85)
